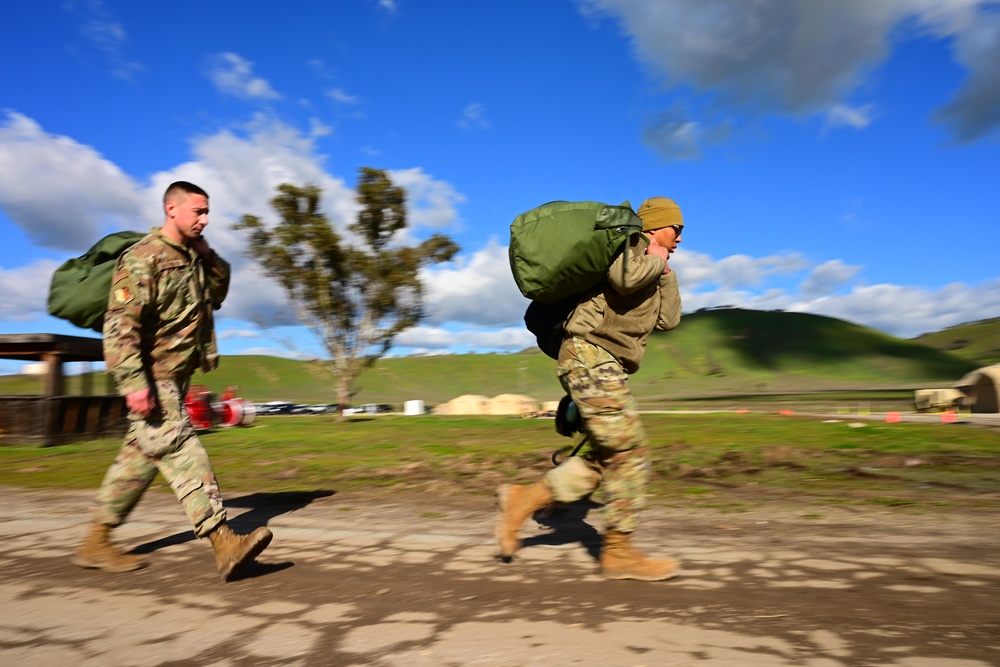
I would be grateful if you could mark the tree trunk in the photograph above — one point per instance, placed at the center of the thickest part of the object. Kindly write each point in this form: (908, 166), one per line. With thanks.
(343, 394)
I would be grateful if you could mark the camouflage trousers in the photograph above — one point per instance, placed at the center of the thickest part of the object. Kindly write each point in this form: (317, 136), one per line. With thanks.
(618, 458)
(164, 442)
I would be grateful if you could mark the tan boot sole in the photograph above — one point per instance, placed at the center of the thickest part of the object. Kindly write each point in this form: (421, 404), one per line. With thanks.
(617, 574)
(84, 562)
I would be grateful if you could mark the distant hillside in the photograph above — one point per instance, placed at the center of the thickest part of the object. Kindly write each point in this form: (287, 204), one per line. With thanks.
(978, 342)
(712, 353)
(779, 347)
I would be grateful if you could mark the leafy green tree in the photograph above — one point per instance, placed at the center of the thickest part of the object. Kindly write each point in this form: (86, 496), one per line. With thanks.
(355, 298)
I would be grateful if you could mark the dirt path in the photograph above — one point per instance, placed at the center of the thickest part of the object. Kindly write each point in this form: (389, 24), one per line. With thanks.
(412, 582)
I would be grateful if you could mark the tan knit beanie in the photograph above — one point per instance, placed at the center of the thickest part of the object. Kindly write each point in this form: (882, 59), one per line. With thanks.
(659, 212)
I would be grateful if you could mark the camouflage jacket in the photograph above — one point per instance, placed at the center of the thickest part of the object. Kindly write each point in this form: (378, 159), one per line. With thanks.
(159, 319)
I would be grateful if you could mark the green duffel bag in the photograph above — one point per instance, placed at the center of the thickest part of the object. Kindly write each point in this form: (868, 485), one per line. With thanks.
(79, 289)
(562, 248)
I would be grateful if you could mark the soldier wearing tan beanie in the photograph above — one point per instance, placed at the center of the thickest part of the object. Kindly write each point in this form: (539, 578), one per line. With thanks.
(663, 224)
(605, 339)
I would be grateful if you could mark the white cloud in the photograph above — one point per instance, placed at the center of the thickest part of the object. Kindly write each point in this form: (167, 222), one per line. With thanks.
(430, 202)
(25, 291)
(476, 289)
(474, 117)
(233, 75)
(676, 136)
(339, 95)
(253, 297)
(799, 58)
(104, 34)
(842, 115)
(63, 194)
(827, 278)
(239, 333)
(427, 340)
(317, 128)
(910, 311)
(695, 269)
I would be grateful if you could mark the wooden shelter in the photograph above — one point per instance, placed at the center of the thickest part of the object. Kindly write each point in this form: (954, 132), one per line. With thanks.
(55, 418)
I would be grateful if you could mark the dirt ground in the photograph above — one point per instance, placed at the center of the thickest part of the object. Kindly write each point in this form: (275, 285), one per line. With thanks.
(393, 581)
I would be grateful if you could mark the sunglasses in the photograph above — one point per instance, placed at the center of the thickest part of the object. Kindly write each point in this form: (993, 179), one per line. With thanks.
(677, 229)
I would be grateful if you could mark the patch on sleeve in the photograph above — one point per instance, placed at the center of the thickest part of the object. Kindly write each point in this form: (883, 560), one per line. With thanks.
(123, 295)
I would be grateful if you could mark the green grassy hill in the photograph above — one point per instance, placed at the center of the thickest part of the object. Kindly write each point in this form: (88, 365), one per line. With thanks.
(784, 350)
(978, 342)
(712, 354)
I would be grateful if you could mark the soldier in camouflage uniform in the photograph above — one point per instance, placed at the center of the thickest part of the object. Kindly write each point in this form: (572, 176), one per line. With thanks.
(605, 339)
(158, 331)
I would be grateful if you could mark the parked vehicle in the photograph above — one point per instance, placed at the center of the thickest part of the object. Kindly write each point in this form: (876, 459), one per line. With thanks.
(376, 408)
(275, 408)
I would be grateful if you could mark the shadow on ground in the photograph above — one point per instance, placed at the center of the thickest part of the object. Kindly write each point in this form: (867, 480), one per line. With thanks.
(569, 526)
(263, 507)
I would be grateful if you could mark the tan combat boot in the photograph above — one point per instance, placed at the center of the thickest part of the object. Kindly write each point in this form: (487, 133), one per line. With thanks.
(515, 503)
(233, 551)
(98, 552)
(619, 560)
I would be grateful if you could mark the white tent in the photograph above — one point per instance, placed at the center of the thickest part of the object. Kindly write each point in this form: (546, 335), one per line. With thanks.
(467, 404)
(982, 388)
(513, 404)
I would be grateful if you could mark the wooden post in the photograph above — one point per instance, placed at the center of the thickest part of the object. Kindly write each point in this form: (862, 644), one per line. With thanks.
(54, 383)
(54, 387)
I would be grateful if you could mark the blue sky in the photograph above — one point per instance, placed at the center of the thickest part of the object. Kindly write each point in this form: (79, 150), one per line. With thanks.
(837, 157)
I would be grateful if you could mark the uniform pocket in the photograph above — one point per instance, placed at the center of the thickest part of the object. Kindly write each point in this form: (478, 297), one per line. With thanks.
(158, 439)
(173, 289)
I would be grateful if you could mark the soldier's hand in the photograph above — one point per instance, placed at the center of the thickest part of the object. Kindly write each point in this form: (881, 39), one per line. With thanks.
(658, 250)
(141, 402)
(199, 245)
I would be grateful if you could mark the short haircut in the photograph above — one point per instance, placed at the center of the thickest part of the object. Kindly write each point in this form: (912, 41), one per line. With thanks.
(177, 187)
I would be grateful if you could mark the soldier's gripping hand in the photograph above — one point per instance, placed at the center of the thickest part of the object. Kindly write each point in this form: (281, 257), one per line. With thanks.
(199, 245)
(658, 250)
(141, 402)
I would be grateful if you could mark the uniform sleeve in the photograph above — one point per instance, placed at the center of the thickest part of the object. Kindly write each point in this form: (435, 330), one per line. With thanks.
(642, 269)
(217, 273)
(128, 301)
(669, 314)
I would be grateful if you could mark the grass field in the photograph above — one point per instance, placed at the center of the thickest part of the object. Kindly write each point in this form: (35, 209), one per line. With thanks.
(723, 460)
